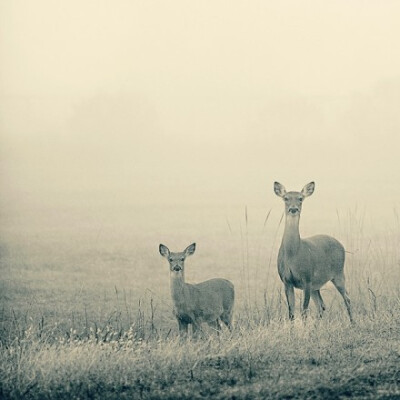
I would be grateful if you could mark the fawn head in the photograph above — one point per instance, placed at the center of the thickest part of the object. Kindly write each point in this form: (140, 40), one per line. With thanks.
(177, 260)
(293, 200)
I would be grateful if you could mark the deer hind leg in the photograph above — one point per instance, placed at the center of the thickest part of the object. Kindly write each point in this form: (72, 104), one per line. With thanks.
(196, 329)
(289, 291)
(339, 283)
(317, 298)
(215, 325)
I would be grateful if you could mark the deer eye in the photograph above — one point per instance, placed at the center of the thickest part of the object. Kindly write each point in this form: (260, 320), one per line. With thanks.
(286, 198)
(182, 259)
(170, 259)
(300, 199)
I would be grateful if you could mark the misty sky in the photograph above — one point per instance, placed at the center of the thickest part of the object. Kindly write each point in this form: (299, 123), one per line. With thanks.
(200, 101)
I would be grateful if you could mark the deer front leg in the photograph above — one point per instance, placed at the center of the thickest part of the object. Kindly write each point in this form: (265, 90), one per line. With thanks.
(306, 302)
(289, 292)
(183, 327)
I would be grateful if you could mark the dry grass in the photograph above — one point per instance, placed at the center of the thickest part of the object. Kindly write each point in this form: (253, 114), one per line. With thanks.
(282, 360)
(94, 321)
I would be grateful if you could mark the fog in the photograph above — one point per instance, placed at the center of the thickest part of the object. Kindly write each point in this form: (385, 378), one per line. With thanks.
(199, 103)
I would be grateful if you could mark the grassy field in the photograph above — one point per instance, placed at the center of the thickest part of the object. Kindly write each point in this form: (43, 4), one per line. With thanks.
(86, 311)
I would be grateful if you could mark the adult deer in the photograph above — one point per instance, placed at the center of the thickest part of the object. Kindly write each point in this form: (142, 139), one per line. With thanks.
(309, 263)
(209, 301)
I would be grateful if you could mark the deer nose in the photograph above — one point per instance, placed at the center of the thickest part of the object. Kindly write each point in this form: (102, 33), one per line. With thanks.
(293, 210)
(176, 268)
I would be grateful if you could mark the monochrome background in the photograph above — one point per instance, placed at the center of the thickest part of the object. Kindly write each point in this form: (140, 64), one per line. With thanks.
(131, 123)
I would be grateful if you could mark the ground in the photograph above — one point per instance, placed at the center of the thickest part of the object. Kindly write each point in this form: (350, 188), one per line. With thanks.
(86, 313)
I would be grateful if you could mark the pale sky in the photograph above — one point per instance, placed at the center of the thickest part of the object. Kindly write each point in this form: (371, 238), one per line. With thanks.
(200, 101)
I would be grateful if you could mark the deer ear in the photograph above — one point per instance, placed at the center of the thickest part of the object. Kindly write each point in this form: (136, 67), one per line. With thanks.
(164, 251)
(190, 249)
(308, 190)
(279, 189)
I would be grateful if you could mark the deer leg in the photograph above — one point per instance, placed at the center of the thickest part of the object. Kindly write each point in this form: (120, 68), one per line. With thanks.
(340, 286)
(227, 322)
(226, 318)
(306, 302)
(321, 300)
(196, 329)
(215, 325)
(183, 327)
(317, 298)
(289, 291)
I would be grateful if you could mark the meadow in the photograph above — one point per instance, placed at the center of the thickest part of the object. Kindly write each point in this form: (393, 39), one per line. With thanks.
(85, 307)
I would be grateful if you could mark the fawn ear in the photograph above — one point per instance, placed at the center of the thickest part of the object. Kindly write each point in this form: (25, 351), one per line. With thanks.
(279, 189)
(308, 190)
(190, 249)
(164, 251)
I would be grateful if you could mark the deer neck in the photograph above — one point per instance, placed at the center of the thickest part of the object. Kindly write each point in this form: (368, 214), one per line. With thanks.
(178, 288)
(291, 235)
